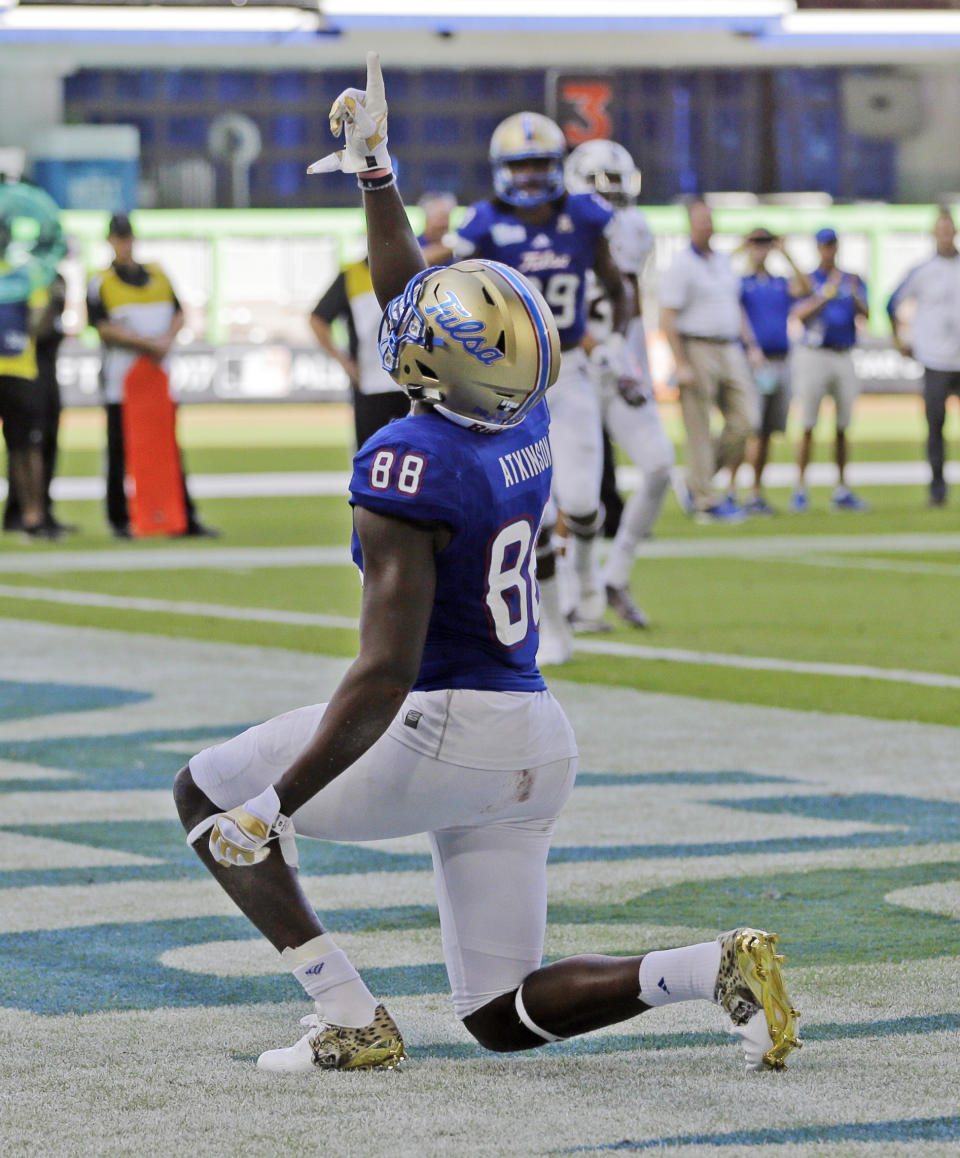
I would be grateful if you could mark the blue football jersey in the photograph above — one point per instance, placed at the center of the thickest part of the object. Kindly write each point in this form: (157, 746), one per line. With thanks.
(490, 489)
(556, 256)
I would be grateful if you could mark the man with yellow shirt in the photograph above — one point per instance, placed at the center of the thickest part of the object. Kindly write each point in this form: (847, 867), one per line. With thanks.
(135, 311)
(377, 399)
(23, 299)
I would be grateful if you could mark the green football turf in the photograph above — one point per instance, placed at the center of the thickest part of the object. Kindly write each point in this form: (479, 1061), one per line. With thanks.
(824, 804)
(134, 999)
(877, 608)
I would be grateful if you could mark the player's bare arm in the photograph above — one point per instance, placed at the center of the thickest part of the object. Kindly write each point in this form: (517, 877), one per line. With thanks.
(398, 592)
(395, 254)
(398, 589)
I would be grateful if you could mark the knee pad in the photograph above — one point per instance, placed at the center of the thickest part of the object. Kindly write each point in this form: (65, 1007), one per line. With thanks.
(658, 479)
(587, 526)
(546, 557)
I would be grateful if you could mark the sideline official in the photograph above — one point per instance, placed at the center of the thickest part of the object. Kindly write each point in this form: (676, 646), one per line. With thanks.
(135, 311)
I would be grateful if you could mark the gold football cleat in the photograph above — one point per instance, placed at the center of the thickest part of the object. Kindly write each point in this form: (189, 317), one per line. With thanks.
(750, 980)
(340, 1047)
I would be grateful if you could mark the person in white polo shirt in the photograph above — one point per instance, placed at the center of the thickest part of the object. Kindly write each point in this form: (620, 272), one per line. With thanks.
(701, 318)
(934, 288)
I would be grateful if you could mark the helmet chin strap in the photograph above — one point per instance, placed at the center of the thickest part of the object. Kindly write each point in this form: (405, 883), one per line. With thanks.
(470, 423)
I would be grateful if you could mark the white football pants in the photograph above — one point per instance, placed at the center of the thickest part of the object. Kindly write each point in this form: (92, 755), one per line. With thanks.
(489, 826)
(576, 438)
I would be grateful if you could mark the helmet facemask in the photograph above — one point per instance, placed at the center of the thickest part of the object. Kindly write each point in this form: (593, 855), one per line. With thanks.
(527, 190)
(527, 137)
(603, 167)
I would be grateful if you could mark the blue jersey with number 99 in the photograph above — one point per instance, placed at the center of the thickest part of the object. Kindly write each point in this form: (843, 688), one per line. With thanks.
(555, 255)
(490, 490)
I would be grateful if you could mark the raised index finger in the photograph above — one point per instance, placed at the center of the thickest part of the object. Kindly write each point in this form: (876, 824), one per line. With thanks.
(374, 77)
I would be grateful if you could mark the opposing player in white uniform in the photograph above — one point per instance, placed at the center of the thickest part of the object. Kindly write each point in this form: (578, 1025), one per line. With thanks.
(621, 365)
(556, 238)
(443, 723)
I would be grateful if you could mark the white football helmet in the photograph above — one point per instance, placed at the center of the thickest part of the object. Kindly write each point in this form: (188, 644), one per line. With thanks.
(527, 137)
(603, 167)
(474, 339)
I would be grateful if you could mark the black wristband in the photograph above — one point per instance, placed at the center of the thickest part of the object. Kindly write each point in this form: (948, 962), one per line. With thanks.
(381, 181)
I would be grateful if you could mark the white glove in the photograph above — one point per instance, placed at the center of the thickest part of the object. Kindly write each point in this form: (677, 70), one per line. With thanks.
(610, 364)
(361, 116)
(756, 1041)
(607, 358)
(242, 835)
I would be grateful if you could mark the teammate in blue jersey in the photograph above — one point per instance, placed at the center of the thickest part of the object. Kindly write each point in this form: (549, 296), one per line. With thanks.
(443, 723)
(556, 239)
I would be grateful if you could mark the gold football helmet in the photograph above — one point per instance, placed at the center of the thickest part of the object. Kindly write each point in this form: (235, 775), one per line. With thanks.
(603, 167)
(527, 137)
(474, 339)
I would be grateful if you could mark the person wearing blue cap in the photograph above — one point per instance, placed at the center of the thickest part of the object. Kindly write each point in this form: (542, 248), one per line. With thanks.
(823, 364)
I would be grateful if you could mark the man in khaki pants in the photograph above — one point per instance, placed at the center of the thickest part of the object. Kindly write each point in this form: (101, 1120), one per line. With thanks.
(702, 320)
(823, 364)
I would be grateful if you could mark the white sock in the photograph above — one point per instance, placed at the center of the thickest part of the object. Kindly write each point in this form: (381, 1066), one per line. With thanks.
(685, 974)
(639, 515)
(584, 554)
(551, 609)
(336, 987)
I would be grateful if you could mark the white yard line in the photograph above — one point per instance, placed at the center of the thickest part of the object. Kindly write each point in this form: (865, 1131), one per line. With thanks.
(951, 570)
(593, 647)
(292, 483)
(758, 546)
(768, 663)
(279, 484)
(140, 557)
(172, 607)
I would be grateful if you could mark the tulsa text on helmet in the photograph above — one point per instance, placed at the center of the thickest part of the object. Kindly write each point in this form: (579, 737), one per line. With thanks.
(451, 316)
